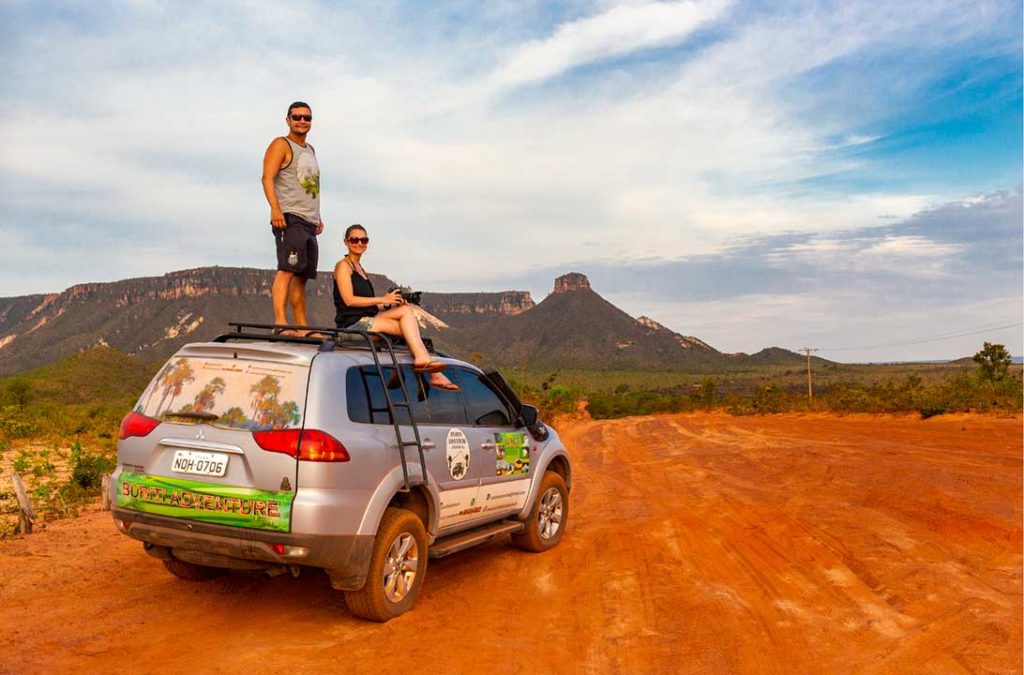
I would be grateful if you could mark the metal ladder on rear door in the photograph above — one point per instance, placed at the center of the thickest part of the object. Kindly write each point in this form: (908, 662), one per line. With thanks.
(404, 404)
(371, 341)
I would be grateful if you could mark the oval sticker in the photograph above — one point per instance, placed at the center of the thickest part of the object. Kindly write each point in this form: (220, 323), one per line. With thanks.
(456, 449)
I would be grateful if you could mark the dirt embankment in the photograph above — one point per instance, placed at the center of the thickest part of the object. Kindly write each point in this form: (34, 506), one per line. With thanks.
(696, 543)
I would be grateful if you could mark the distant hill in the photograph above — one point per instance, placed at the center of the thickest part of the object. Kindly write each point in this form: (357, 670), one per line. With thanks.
(576, 328)
(151, 317)
(99, 374)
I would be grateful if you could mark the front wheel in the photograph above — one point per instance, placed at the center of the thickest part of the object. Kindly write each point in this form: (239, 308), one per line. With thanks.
(548, 517)
(397, 568)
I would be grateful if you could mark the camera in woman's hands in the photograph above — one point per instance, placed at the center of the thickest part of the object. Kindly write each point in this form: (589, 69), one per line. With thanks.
(408, 295)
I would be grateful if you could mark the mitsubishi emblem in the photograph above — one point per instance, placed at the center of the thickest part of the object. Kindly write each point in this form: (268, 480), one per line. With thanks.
(199, 435)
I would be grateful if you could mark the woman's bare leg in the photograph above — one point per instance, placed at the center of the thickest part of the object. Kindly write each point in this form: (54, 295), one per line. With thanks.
(402, 321)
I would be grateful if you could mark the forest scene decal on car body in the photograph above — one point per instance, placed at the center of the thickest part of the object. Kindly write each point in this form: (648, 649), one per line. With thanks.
(248, 395)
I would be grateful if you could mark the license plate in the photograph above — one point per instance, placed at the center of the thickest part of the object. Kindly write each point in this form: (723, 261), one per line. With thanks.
(200, 463)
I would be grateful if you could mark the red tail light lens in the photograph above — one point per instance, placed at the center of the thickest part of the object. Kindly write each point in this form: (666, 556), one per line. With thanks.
(311, 445)
(136, 424)
(285, 441)
(317, 446)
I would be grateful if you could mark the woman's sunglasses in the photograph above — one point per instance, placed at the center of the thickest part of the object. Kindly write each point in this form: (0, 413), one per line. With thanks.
(301, 118)
(359, 240)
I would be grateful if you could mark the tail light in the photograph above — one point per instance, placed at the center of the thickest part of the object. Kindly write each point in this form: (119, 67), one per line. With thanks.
(311, 445)
(136, 424)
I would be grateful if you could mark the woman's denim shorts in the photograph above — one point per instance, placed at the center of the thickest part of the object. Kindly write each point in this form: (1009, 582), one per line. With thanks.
(363, 325)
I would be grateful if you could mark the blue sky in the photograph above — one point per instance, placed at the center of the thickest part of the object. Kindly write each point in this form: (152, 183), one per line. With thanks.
(833, 174)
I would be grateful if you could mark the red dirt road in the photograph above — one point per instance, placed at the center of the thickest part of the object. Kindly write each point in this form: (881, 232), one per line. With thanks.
(696, 544)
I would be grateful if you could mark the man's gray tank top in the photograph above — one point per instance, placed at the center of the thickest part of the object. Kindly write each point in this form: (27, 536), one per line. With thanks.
(298, 184)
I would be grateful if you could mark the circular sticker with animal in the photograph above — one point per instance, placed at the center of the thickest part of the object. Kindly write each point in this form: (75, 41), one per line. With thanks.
(456, 448)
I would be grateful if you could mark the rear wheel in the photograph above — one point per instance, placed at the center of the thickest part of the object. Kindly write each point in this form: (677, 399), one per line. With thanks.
(192, 572)
(548, 517)
(397, 568)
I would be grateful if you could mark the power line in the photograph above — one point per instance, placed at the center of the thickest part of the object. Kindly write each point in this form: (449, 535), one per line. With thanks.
(919, 341)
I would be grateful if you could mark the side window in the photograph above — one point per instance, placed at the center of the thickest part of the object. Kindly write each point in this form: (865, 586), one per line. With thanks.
(365, 396)
(417, 393)
(446, 407)
(483, 406)
(366, 391)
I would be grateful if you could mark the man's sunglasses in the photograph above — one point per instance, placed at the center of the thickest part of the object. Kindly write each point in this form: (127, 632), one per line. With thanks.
(359, 240)
(301, 118)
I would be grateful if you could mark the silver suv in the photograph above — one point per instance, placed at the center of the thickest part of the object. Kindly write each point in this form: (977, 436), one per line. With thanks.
(258, 451)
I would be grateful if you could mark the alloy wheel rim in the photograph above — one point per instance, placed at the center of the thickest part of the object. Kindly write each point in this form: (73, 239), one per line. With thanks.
(549, 515)
(401, 567)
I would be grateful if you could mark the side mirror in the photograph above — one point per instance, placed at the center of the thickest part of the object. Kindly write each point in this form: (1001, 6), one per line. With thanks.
(528, 415)
(529, 418)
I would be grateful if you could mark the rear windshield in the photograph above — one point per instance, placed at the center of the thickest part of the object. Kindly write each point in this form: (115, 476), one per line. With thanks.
(254, 395)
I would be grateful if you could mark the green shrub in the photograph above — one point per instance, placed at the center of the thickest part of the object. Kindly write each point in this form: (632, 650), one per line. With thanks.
(18, 392)
(87, 470)
(708, 393)
(772, 399)
(16, 422)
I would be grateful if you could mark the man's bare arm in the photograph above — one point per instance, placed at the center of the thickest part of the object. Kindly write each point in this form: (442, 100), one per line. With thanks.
(273, 160)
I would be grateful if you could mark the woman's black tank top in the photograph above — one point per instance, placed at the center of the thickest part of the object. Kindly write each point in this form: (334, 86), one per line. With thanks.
(345, 315)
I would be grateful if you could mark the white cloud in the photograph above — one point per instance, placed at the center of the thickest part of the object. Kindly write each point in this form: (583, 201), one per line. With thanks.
(892, 254)
(618, 31)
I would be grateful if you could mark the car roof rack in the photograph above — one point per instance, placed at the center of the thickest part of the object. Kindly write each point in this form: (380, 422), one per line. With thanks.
(328, 338)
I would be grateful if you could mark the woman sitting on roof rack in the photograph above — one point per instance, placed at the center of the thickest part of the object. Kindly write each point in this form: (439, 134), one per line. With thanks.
(358, 308)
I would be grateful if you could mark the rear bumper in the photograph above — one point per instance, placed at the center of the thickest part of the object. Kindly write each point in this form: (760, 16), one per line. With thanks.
(345, 558)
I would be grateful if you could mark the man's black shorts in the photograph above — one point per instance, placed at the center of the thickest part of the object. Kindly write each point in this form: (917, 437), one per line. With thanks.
(297, 250)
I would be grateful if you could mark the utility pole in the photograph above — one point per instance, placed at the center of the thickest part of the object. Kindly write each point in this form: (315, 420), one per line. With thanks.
(810, 390)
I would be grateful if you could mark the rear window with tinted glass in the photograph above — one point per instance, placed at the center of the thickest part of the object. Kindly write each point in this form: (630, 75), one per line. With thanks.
(252, 395)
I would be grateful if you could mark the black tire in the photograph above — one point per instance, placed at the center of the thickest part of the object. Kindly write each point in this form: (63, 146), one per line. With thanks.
(192, 572)
(548, 517)
(401, 539)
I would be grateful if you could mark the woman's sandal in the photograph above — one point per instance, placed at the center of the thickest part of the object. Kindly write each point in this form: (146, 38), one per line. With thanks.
(429, 367)
(447, 386)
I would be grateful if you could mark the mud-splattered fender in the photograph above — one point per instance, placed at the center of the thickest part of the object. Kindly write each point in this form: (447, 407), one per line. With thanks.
(389, 488)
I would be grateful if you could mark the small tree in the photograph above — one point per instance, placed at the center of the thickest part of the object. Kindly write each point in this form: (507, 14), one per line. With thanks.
(19, 391)
(993, 362)
(707, 393)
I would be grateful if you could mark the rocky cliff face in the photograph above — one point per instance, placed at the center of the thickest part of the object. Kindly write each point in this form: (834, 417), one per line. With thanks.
(152, 317)
(459, 309)
(573, 281)
(685, 341)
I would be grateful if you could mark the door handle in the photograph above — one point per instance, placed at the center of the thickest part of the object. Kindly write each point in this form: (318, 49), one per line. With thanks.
(487, 445)
(428, 444)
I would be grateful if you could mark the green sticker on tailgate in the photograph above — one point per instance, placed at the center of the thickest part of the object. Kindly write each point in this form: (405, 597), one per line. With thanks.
(207, 502)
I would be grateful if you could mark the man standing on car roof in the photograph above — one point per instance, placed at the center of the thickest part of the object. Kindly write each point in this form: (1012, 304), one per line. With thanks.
(291, 182)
